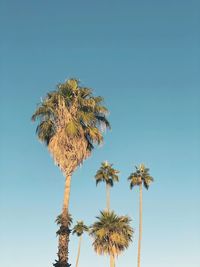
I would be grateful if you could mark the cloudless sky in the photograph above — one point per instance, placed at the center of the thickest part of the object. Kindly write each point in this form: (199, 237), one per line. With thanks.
(143, 57)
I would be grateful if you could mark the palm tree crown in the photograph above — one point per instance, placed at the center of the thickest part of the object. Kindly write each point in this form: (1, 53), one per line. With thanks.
(80, 228)
(107, 174)
(141, 175)
(71, 121)
(111, 233)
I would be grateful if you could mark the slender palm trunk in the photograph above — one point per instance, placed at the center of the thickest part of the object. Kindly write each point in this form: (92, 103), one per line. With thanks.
(112, 261)
(79, 250)
(66, 194)
(107, 197)
(140, 226)
(63, 242)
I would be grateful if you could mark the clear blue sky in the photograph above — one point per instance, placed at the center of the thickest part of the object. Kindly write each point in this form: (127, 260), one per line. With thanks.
(144, 58)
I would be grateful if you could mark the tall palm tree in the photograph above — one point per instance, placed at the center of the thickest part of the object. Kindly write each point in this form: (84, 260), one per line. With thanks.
(108, 175)
(140, 177)
(111, 235)
(79, 229)
(70, 123)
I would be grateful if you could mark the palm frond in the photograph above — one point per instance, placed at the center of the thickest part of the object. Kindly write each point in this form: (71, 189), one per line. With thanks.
(85, 92)
(45, 131)
(94, 135)
(101, 119)
(87, 118)
(147, 181)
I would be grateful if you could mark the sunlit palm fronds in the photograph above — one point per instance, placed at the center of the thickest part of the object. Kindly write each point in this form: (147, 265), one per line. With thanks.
(107, 174)
(71, 122)
(111, 234)
(141, 175)
(80, 228)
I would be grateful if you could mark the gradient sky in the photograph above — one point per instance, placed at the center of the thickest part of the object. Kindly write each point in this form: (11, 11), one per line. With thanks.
(143, 57)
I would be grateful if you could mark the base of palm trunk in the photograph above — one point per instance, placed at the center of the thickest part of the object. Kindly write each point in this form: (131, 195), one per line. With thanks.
(59, 264)
(63, 245)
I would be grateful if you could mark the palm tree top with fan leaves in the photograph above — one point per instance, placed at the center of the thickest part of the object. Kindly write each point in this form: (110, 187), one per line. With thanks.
(107, 174)
(80, 228)
(140, 176)
(71, 121)
(111, 233)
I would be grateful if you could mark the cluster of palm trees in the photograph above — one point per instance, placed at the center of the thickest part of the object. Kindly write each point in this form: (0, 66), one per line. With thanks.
(71, 122)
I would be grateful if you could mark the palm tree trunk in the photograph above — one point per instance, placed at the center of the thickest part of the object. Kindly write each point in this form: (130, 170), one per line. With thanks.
(63, 242)
(66, 194)
(112, 261)
(79, 250)
(140, 226)
(107, 197)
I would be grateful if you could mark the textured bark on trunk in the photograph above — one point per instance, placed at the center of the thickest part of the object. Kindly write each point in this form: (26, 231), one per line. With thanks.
(66, 194)
(140, 225)
(79, 250)
(112, 261)
(63, 250)
(63, 243)
(107, 197)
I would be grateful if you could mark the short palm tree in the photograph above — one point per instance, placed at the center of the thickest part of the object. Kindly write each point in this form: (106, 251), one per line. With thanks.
(70, 123)
(111, 234)
(140, 177)
(79, 229)
(108, 175)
